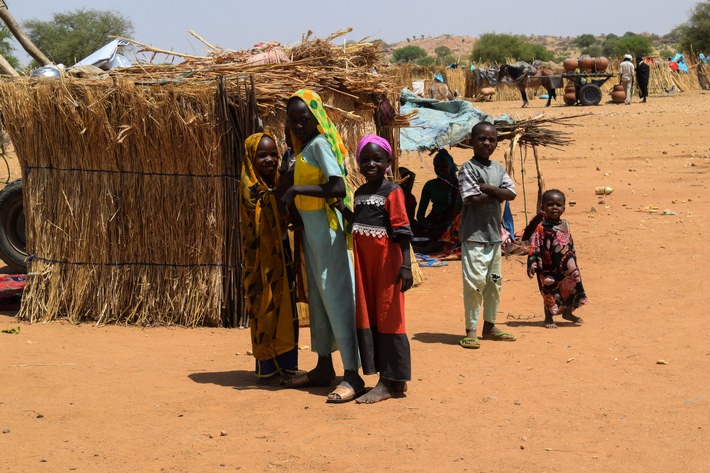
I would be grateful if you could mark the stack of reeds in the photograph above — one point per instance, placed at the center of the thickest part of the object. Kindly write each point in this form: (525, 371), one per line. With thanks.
(124, 200)
(131, 181)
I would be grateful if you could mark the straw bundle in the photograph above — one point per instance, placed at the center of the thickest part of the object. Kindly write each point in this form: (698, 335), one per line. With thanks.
(124, 198)
(131, 182)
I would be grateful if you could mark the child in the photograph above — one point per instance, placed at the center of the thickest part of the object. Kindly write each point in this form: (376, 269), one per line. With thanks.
(406, 182)
(443, 193)
(318, 176)
(484, 184)
(383, 271)
(268, 272)
(553, 259)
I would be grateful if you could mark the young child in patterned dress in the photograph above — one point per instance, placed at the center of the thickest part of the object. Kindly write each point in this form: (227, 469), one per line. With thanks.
(383, 272)
(553, 259)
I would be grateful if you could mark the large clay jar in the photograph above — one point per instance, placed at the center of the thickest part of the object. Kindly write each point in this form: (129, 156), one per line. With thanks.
(600, 64)
(618, 95)
(586, 64)
(570, 64)
(570, 97)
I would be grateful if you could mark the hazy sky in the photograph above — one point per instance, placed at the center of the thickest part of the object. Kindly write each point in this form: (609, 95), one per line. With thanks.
(240, 24)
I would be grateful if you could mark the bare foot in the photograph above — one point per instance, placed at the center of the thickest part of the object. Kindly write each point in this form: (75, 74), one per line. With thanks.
(382, 391)
(572, 318)
(549, 323)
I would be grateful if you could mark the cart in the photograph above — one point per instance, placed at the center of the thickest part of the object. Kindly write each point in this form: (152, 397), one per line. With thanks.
(587, 85)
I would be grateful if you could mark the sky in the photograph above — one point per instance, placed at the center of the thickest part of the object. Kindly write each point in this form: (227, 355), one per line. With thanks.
(240, 24)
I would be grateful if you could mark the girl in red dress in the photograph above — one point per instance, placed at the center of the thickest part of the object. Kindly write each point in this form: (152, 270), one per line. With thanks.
(383, 272)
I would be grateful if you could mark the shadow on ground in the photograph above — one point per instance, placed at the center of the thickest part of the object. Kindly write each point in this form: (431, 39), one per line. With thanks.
(443, 338)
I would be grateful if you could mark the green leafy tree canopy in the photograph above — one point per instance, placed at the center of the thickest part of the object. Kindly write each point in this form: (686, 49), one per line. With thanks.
(71, 36)
(6, 49)
(409, 53)
(498, 48)
(630, 43)
(695, 34)
(585, 40)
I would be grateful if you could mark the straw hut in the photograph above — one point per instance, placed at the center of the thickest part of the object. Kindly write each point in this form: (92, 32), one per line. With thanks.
(130, 179)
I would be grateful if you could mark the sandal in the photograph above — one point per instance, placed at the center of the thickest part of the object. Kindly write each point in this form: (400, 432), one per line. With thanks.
(344, 393)
(468, 342)
(304, 380)
(499, 336)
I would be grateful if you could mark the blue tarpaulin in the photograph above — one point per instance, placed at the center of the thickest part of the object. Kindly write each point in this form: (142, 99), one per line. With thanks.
(440, 124)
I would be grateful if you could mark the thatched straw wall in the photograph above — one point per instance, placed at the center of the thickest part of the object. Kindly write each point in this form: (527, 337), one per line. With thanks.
(123, 198)
(128, 199)
(403, 75)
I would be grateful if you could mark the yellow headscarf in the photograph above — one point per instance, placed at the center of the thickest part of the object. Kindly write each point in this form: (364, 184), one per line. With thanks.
(328, 130)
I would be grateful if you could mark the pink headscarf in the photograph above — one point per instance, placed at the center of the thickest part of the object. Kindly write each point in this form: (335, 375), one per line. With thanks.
(378, 140)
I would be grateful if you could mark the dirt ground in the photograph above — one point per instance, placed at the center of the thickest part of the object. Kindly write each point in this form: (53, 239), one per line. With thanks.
(627, 391)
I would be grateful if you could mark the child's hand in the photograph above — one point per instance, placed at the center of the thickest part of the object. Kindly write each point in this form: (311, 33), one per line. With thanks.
(338, 204)
(405, 275)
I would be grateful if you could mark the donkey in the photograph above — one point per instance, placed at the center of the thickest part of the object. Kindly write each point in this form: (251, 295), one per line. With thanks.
(520, 76)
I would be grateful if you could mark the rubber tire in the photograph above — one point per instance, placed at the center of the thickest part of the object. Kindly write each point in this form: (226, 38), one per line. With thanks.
(589, 94)
(12, 227)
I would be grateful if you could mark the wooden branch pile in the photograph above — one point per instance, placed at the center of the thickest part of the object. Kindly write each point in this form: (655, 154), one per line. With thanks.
(530, 134)
(349, 70)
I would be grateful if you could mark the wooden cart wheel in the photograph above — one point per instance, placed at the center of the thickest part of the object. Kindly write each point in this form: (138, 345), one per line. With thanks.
(590, 94)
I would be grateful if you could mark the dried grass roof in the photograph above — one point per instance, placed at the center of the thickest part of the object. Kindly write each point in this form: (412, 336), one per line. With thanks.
(350, 70)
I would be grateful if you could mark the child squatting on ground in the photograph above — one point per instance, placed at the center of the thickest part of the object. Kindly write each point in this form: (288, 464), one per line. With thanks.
(484, 184)
(552, 258)
(383, 272)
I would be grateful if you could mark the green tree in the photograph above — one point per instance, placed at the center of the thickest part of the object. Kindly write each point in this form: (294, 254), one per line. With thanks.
(425, 61)
(408, 54)
(498, 48)
(594, 50)
(71, 36)
(442, 51)
(631, 43)
(444, 56)
(694, 35)
(585, 40)
(6, 48)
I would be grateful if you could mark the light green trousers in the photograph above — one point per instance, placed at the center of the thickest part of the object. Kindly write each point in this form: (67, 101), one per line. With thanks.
(482, 281)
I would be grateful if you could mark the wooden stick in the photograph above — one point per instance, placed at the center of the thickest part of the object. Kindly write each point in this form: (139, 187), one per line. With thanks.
(157, 50)
(212, 47)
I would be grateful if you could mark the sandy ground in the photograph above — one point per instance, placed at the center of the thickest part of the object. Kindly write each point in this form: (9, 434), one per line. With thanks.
(627, 391)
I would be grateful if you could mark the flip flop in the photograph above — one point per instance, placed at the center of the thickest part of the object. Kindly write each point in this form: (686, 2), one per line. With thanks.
(499, 336)
(468, 342)
(434, 263)
(345, 393)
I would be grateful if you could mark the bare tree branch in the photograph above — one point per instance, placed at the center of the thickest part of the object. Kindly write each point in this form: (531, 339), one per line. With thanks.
(6, 68)
(21, 37)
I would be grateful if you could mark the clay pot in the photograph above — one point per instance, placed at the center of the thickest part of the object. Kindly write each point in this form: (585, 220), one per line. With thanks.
(586, 64)
(600, 64)
(618, 95)
(570, 64)
(570, 97)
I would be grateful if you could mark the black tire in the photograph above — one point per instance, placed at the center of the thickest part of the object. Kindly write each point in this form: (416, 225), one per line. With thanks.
(12, 227)
(589, 94)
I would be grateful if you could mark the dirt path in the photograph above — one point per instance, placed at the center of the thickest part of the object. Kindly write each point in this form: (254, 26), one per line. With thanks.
(590, 398)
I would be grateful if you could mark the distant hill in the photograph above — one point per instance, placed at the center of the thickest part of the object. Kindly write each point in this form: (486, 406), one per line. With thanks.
(461, 46)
